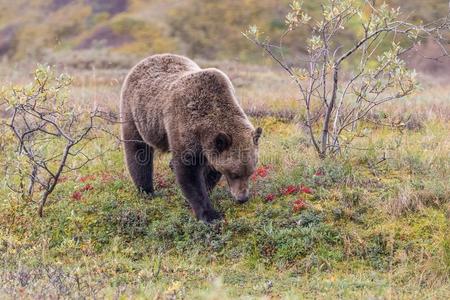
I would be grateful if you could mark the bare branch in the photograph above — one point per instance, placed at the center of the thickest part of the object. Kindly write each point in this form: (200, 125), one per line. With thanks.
(49, 134)
(344, 104)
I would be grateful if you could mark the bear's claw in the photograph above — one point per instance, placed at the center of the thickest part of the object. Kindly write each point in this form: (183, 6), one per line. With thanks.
(209, 216)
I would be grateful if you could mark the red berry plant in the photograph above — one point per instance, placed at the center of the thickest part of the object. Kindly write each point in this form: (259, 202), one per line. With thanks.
(262, 187)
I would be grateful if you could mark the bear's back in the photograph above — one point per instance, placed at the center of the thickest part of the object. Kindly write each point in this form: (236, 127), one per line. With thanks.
(145, 93)
(160, 69)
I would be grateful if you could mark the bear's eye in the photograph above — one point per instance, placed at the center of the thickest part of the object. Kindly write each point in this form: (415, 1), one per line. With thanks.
(233, 176)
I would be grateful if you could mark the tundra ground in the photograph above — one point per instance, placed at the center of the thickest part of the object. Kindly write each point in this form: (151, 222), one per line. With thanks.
(373, 222)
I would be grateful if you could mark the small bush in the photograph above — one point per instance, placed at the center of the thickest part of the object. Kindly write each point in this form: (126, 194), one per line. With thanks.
(49, 134)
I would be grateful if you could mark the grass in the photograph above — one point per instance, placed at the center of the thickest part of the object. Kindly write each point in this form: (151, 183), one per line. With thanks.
(369, 228)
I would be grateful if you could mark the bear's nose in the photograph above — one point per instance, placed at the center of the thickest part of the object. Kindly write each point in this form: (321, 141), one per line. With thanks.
(242, 198)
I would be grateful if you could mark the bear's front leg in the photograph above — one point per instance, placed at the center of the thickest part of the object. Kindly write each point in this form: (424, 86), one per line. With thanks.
(192, 182)
(212, 177)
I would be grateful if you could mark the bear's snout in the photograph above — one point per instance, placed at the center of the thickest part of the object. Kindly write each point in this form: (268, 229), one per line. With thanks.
(242, 198)
(239, 189)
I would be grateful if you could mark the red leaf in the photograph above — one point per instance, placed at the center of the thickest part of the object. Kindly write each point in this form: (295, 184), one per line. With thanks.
(87, 178)
(262, 172)
(298, 205)
(270, 197)
(319, 173)
(305, 189)
(106, 177)
(87, 187)
(77, 195)
(290, 189)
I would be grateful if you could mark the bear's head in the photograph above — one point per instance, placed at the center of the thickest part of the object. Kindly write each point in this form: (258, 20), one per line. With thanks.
(235, 155)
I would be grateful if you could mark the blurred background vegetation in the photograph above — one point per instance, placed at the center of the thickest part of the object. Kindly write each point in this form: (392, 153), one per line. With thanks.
(41, 29)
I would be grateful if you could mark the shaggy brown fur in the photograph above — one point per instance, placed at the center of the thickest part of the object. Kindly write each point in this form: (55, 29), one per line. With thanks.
(169, 103)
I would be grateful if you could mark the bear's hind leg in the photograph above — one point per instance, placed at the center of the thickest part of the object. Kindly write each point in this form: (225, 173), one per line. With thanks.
(139, 158)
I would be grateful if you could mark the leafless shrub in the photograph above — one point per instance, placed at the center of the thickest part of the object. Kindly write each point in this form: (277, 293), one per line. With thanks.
(47, 135)
(335, 102)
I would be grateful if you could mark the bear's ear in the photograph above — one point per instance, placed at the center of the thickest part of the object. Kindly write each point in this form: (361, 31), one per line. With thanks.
(257, 135)
(222, 142)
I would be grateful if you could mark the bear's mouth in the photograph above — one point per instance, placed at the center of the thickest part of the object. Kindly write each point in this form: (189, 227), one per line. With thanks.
(240, 196)
(241, 199)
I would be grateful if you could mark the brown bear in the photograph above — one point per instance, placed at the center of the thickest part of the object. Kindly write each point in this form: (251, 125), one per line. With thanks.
(169, 103)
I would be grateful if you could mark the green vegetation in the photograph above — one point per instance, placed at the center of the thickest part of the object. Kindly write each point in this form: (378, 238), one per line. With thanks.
(370, 223)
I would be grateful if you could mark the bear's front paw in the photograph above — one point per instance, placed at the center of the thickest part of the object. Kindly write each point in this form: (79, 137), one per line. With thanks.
(209, 216)
(148, 194)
